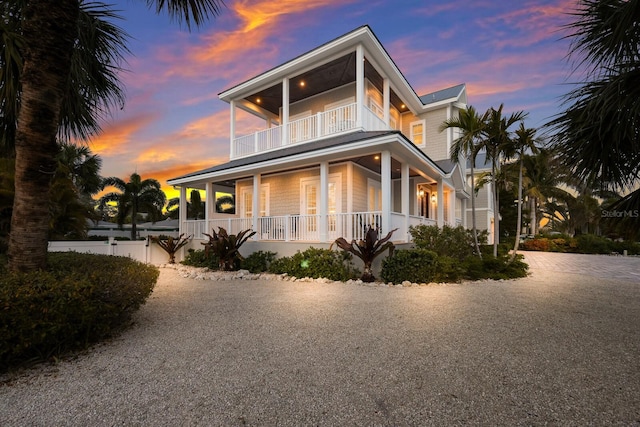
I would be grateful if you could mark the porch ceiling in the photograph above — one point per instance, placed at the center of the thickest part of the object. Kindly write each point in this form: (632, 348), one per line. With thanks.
(334, 74)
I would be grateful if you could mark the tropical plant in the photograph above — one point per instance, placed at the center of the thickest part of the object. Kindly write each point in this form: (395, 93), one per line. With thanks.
(497, 144)
(598, 133)
(455, 242)
(226, 247)
(171, 245)
(45, 82)
(524, 142)
(471, 126)
(367, 250)
(134, 197)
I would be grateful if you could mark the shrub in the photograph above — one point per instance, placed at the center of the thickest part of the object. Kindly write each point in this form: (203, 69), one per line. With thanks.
(490, 267)
(78, 300)
(200, 258)
(258, 262)
(447, 241)
(591, 244)
(316, 263)
(414, 265)
(537, 244)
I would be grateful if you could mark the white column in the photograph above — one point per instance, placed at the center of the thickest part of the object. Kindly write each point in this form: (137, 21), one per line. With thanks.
(285, 111)
(464, 213)
(210, 203)
(255, 205)
(359, 85)
(182, 209)
(386, 97)
(385, 177)
(232, 128)
(404, 183)
(440, 203)
(324, 200)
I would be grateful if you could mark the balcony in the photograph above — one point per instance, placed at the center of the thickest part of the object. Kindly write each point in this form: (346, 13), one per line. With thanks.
(321, 125)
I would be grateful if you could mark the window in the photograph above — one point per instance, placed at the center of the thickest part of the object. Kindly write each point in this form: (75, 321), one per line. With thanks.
(246, 210)
(310, 199)
(417, 132)
(374, 196)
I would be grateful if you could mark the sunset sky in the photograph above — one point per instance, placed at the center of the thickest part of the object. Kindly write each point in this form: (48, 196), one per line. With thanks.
(173, 123)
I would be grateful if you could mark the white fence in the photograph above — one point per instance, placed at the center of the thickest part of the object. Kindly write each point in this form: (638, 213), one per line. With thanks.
(140, 250)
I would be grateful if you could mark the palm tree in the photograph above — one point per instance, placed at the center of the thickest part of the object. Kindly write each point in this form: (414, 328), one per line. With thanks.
(497, 143)
(598, 134)
(134, 197)
(524, 142)
(44, 83)
(471, 126)
(195, 206)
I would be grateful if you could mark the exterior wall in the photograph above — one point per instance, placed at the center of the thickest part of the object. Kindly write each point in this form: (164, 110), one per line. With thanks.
(436, 141)
(284, 189)
(316, 104)
(361, 178)
(140, 250)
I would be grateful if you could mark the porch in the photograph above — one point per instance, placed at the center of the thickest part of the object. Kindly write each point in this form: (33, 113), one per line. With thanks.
(320, 125)
(310, 228)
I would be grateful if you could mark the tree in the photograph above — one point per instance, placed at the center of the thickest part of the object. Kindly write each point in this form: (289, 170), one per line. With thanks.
(195, 206)
(471, 126)
(45, 80)
(598, 135)
(135, 197)
(497, 143)
(525, 141)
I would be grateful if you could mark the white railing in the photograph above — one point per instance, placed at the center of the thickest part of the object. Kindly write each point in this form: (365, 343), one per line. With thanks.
(327, 123)
(194, 228)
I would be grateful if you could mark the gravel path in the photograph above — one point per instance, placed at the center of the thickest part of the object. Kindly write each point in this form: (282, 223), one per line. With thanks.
(555, 348)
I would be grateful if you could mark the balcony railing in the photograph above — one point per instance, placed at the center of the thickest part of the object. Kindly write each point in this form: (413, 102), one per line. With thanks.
(332, 122)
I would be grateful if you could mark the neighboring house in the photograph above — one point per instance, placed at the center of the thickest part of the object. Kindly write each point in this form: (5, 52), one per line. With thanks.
(346, 144)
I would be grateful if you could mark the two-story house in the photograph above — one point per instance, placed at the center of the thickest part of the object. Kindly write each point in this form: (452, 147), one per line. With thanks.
(346, 144)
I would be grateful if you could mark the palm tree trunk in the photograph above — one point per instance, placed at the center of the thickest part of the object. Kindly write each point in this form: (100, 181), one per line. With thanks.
(473, 212)
(519, 219)
(534, 216)
(496, 211)
(49, 30)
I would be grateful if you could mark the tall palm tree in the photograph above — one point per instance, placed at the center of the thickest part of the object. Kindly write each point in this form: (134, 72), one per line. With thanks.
(497, 144)
(134, 197)
(45, 80)
(195, 206)
(525, 141)
(471, 125)
(598, 134)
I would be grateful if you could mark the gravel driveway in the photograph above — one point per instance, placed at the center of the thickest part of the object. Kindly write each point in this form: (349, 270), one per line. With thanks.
(555, 348)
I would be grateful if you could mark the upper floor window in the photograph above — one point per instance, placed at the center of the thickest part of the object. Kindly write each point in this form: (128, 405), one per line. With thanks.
(417, 132)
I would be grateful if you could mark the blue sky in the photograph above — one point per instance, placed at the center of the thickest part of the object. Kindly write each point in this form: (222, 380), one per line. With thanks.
(173, 123)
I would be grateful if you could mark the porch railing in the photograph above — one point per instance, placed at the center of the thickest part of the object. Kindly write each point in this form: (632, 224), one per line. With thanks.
(323, 124)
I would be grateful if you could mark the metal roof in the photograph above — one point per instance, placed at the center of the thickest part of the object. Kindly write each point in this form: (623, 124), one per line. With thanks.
(441, 95)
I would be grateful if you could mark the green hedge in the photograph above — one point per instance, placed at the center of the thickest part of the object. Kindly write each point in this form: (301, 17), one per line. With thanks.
(78, 300)
(583, 243)
(316, 263)
(414, 265)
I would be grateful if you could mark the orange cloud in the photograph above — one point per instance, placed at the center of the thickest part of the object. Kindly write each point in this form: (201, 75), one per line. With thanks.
(116, 136)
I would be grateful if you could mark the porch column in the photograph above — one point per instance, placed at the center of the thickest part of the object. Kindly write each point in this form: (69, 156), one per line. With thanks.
(385, 186)
(452, 206)
(210, 203)
(324, 200)
(404, 183)
(232, 128)
(386, 101)
(359, 85)
(182, 209)
(440, 203)
(285, 111)
(255, 205)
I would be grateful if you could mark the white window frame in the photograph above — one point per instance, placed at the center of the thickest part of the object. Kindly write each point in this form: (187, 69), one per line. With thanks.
(412, 134)
(245, 207)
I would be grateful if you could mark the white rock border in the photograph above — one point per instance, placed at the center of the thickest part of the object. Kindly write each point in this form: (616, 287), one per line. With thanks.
(203, 273)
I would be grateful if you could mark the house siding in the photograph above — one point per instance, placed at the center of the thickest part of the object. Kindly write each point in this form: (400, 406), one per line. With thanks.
(436, 141)
(316, 104)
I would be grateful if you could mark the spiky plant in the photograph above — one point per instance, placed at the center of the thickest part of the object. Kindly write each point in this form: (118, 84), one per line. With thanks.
(226, 247)
(171, 245)
(367, 250)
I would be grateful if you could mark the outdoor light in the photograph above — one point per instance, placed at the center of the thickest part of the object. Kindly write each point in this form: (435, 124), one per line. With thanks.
(302, 83)
(420, 193)
(258, 100)
(433, 198)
